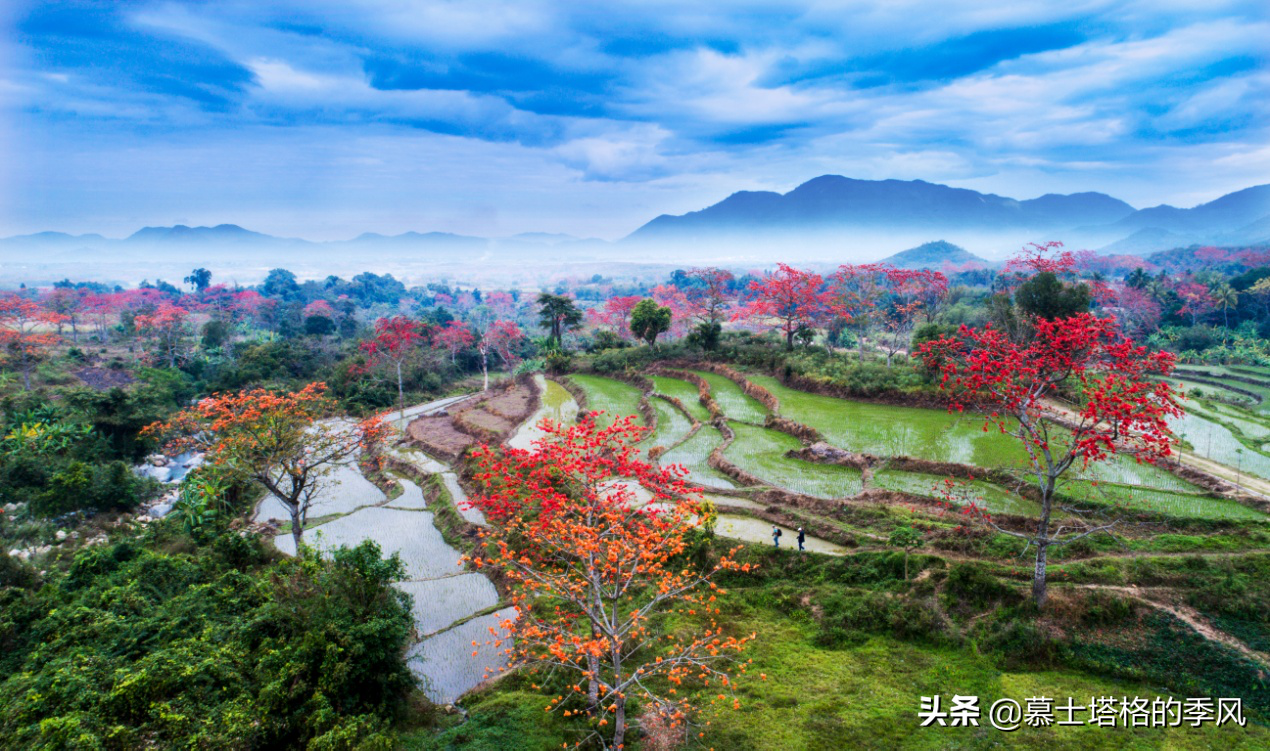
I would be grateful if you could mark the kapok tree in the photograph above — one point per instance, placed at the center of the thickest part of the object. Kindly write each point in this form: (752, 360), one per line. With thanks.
(789, 300)
(857, 291)
(591, 568)
(22, 345)
(454, 337)
(1121, 409)
(396, 341)
(167, 327)
(500, 338)
(279, 440)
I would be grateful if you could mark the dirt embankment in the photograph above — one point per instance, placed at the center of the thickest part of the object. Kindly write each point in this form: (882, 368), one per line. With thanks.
(488, 418)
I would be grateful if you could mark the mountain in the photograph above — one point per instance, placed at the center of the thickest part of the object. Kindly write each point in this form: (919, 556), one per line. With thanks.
(933, 255)
(833, 201)
(415, 239)
(183, 235)
(1225, 214)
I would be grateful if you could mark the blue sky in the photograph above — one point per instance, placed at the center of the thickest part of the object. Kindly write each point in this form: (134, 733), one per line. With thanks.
(324, 119)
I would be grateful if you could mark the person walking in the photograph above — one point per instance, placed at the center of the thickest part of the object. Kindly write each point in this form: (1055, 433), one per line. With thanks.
(776, 536)
(802, 537)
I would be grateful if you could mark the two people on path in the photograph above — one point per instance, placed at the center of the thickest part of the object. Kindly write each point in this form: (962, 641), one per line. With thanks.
(776, 537)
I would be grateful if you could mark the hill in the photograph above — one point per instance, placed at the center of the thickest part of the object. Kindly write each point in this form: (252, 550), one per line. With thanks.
(933, 255)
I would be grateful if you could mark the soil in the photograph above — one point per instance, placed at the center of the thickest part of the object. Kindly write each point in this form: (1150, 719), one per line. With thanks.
(104, 379)
(437, 435)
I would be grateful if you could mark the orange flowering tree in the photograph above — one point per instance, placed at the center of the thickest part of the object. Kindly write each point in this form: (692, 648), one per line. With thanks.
(279, 440)
(596, 545)
(167, 327)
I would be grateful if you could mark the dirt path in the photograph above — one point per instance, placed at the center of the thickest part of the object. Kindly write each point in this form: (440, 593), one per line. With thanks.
(1188, 615)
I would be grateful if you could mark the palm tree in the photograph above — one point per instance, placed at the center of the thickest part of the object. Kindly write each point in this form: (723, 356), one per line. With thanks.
(1225, 297)
(1138, 278)
(557, 314)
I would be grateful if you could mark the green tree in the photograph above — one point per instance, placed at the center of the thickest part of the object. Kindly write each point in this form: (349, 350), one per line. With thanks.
(648, 320)
(557, 314)
(1046, 296)
(200, 279)
(1225, 297)
(907, 539)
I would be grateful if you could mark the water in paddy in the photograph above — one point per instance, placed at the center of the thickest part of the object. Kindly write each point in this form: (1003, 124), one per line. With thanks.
(1162, 501)
(685, 392)
(693, 453)
(554, 403)
(672, 425)
(761, 451)
(749, 529)
(1214, 441)
(734, 402)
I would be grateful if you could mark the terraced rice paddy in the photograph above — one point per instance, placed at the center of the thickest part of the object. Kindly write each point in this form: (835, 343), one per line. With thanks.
(994, 498)
(411, 534)
(749, 529)
(446, 663)
(672, 425)
(554, 403)
(1215, 441)
(1161, 501)
(693, 454)
(615, 398)
(684, 392)
(734, 402)
(886, 430)
(442, 601)
(761, 452)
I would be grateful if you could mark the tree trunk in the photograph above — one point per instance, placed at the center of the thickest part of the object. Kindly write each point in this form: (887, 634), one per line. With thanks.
(485, 368)
(26, 377)
(297, 526)
(619, 722)
(1038, 575)
(789, 340)
(401, 392)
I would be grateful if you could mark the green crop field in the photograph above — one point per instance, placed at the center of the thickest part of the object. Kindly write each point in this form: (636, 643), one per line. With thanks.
(692, 454)
(761, 451)
(684, 392)
(887, 430)
(994, 498)
(1162, 501)
(672, 425)
(734, 402)
(615, 398)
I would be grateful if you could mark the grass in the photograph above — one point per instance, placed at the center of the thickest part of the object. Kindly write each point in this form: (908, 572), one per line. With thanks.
(692, 454)
(684, 392)
(996, 499)
(615, 398)
(761, 451)
(734, 402)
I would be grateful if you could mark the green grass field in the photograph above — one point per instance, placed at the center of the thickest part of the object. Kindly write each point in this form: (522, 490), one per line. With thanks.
(615, 398)
(734, 402)
(761, 451)
(684, 392)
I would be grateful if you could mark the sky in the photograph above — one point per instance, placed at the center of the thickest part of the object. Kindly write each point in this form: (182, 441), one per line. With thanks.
(324, 119)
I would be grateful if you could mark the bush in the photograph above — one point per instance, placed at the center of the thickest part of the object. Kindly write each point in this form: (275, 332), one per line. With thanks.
(136, 648)
(80, 486)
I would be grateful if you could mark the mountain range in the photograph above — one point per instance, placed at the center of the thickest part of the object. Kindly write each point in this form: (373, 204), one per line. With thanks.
(828, 219)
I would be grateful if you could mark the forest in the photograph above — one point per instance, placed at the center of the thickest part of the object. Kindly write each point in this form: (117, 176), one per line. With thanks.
(739, 508)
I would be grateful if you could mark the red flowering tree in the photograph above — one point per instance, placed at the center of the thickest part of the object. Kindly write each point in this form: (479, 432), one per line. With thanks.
(788, 300)
(615, 313)
(857, 291)
(22, 345)
(396, 341)
(166, 327)
(592, 569)
(711, 300)
(500, 338)
(67, 305)
(1122, 411)
(279, 440)
(454, 337)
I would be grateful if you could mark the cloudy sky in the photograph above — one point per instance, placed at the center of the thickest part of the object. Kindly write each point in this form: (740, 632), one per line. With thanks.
(327, 118)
